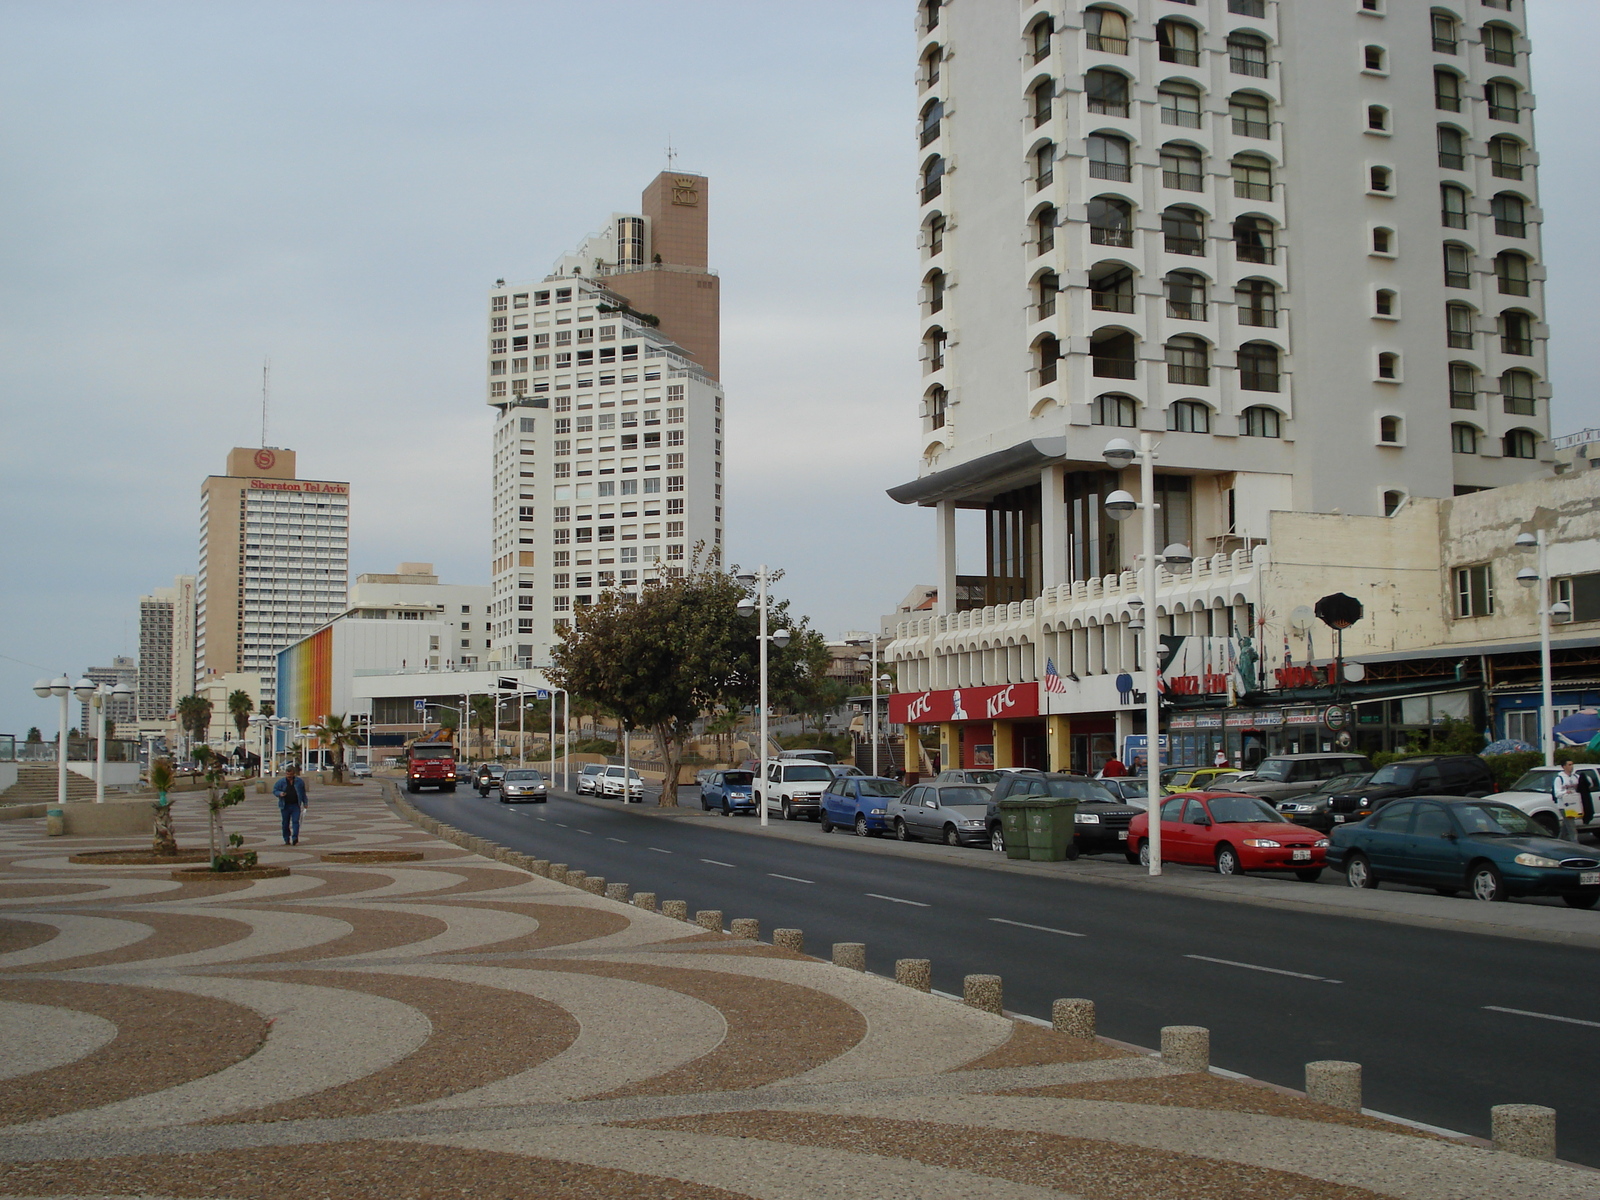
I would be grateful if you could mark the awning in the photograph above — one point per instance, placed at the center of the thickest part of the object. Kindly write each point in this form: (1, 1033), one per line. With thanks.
(1471, 650)
(985, 477)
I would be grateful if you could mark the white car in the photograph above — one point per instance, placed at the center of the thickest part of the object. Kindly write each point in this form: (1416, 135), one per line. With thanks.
(1534, 794)
(589, 779)
(794, 788)
(611, 783)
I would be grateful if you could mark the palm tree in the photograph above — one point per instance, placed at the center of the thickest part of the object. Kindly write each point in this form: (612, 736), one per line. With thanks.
(194, 714)
(336, 733)
(268, 709)
(240, 706)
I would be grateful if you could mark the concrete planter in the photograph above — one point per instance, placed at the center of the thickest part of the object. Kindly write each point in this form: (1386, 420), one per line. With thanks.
(373, 856)
(138, 858)
(207, 875)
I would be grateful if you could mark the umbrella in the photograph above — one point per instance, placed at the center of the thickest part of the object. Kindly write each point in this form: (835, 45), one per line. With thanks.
(1507, 746)
(1577, 729)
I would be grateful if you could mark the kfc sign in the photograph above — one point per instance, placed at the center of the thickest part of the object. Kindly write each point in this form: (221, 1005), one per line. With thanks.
(965, 704)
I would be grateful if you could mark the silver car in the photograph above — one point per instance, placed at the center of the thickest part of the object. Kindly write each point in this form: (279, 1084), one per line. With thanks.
(952, 813)
(523, 785)
(589, 779)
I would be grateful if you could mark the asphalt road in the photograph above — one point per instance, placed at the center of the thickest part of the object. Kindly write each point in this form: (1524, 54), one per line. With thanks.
(1421, 1009)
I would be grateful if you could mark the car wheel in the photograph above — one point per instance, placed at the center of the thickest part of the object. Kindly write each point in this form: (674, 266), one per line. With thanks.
(413, 788)
(1228, 861)
(705, 805)
(726, 810)
(1144, 854)
(997, 839)
(1309, 875)
(788, 810)
(951, 837)
(1581, 899)
(1486, 883)
(827, 825)
(861, 825)
(1358, 872)
(901, 833)
(1548, 823)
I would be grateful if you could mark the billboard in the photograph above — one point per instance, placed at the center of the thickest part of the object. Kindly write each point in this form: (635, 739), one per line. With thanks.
(1001, 703)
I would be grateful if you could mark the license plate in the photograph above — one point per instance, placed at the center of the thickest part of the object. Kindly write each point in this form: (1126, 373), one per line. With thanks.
(1122, 835)
(1338, 818)
(1300, 856)
(1589, 879)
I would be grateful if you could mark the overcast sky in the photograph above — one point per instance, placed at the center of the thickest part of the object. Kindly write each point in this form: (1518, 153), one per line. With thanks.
(189, 188)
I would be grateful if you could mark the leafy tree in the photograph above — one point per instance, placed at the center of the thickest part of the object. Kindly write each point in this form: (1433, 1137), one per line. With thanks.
(240, 706)
(822, 695)
(681, 649)
(214, 766)
(34, 735)
(336, 733)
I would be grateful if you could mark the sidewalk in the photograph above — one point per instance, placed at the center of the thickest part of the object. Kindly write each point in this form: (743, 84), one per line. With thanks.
(461, 1025)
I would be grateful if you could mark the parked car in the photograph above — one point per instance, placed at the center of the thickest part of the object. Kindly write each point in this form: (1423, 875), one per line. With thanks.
(839, 769)
(1100, 824)
(614, 781)
(794, 788)
(826, 757)
(1489, 848)
(860, 803)
(1197, 779)
(953, 813)
(1311, 808)
(524, 784)
(1132, 790)
(360, 770)
(1284, 775)
(1535, 795)
(1231, 833)
(589, 779)
(488, 777)
(984, 778)
(1420, 775)
(728, 792)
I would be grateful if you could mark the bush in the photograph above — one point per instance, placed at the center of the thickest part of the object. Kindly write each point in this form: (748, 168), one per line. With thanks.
(594, 746)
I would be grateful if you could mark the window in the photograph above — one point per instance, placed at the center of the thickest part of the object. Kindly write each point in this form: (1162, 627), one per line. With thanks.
(525, 512)
(1039, 37)
(1388, 365)
(1248, 8)
(1377, 118)
(1186, 296)
(933, 348)
(1463, 386)
(1254, 240)
(1463, 438)
(1110, 222)
(1260, 421)
(1252, 115)
(1107, 92)
(1046, 289)
(1380, 179)
(1389, 431)
(930, 65)
(1382, 241)
(1182, 167)
(1446, 33)
(1184, 231)
(1116, 410)
(1107, 31)
(932, 178)
(1452, 149)
(1383, 303)
(1511, 273)
(1189, 416)
(1457, 265)
(1111, 288)
(1502, 100)
(932, 116)
(938, 403)
(936, 235)
(498, 305)
(1516, 393)
(1499, 45)
(1179, 43)
(1474, 591)
(1505, 157)
(1258, 368)
(1256, 303)
(1510, 215)
(1458, 322)
(930, 15)
(1044, 230)
(1043, 95)
(1392, 502)
(1180, 104)
(1044, 166)
(1188, 361)
(1049, 354)
(1452, 206)
(1252, 177)
(1113, 354)
(1247, 55)
(1516, 333)
(1447, 91)
(1110, 158)
(1373, 58)
(935, 291)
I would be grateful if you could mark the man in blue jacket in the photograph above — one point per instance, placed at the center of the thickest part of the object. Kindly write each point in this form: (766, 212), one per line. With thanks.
(292, 800)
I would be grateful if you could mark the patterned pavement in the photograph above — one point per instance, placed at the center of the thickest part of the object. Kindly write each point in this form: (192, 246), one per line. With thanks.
(459, 1025)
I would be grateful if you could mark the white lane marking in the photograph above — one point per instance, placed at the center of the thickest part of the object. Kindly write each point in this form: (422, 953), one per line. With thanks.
(658, 849)
(563, 825)
(897, 900)
(1522, 1012)
(590, 832)
(715, 863)
(1041, 928)
(1228, 962)
(790, 878)
(546, 819)
(624, 841)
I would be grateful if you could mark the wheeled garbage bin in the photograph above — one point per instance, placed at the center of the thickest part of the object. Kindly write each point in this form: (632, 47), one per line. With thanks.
(1039, 828)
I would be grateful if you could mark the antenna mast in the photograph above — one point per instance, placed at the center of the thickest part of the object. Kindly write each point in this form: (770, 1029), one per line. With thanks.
(266, 369)
(672, 155)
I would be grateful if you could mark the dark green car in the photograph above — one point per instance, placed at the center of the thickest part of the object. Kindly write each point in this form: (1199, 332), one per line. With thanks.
(1455, 844)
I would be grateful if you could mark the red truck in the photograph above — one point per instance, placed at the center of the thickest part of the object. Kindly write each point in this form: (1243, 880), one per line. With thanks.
(430, 764)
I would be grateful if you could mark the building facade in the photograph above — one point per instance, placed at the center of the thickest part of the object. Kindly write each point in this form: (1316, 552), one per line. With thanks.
(1295, 243)
(274, 562)
(608, 445)
(122, 670)
(156, 702)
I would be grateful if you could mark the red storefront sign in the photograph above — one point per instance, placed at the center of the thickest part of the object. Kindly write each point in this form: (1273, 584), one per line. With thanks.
(965, 704)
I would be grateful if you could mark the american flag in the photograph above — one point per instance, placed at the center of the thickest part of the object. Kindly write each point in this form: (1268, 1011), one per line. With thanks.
(1052, 678)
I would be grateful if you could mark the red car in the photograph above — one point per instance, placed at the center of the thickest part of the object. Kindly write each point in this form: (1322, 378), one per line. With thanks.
(1231, 833)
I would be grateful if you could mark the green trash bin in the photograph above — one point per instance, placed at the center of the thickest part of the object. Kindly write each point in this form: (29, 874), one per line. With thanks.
(1014, 823)
(1039, 828)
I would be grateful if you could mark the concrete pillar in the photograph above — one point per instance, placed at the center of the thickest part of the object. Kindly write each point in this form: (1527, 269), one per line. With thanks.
(852, 955)
(710, 919)
(540, 866)
(617, 891)
(950, 746)
(1335, 1083)
(678, 910)
(945, 515)
(1074, 1017)
(645, 900)
(983, 992)
(790, 939)
(558, 872)
(746, 927)
(1186, 1047)
(1124, 726)
(576, 878)
(1005, 746)
(595, 885)
(1052, 525)
(914, 973)
(1058, 740)
(1525, 1129)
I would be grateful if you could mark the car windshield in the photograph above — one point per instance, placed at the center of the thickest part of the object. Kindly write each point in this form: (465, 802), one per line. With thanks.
(1076, 789)
(432, 752)
(593, 768)
(524, 777)
(1343, 783)
(983, 776)
(1536, 781)
(881, 787)
(949, 796)
(1273, 770)
(738, 778)
(1402, 773)
(1496, 820)
(1242, 810)
(807, 773)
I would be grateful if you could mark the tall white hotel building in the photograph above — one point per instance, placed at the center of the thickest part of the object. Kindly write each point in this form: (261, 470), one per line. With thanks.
(608, 446)
(1297, 241)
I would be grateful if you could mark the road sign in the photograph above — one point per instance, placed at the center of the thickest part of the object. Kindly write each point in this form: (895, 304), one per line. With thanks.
(541, 693)
(419, 705)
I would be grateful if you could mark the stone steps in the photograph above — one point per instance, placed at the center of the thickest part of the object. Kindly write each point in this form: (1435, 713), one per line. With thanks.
(37, 785)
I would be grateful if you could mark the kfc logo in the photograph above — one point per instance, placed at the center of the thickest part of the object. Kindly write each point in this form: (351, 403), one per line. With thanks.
(1001, 701)
(919, 707)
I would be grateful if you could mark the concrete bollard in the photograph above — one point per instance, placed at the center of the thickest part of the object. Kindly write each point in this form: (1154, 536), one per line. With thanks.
(914, 973)
(746, 927)
(55, 822)
(983, 992)
(540, 866)
(1073, 1017)
(1336, 1083)
(709, 919)
(1525, 1129)
(790, 939)
(645, 900)
(576, 878)
(617, 891)
(1186, 1047)
(595, 885)
(558, 872)
(851, 955)
(678, 910)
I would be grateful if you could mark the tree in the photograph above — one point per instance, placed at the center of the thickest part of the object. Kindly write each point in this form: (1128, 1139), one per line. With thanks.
(268, 708)
(483, 716)
(821, 696)
(217, 799)
(34, 735)
(681, 649)
(335, 732)
(240, 706)
(162, 840)
(194, 714)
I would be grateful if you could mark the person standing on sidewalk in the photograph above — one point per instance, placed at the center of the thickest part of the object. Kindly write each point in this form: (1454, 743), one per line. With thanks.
(292, 801)
(1569, 799)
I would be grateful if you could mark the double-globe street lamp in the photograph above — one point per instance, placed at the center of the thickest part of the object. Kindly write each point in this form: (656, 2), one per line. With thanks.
(1561, 610)
(872, 661)
(1119, 454)
(780, 639)
(98, 696)
(267, 728)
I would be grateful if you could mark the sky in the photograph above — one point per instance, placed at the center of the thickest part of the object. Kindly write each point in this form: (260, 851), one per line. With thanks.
(191, 188)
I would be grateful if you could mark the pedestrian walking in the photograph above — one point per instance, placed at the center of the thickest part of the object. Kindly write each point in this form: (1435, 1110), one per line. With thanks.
(292, 801)
(1570, 800)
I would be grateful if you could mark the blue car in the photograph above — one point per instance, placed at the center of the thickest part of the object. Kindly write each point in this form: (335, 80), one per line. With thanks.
(859, 802)
(1454, 844)
(727, 792)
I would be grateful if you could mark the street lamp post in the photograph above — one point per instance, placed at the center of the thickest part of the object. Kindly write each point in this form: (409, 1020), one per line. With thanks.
(1119, 454)
(100, 700)
(876, 680)
(62, 688)
(1540, 576)
(780, 639)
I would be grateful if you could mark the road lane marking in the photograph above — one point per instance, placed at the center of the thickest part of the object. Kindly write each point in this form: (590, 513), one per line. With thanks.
(624, 841)
(1228, 962)
(715, 863)
(563, 825)
(658, 850)
(790, 878)
(590, 832)
(897, 900)
(1041, 928)
(1522, 1012)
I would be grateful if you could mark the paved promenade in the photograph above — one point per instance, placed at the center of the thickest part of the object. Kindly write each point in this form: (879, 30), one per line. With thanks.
(460, 1025)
